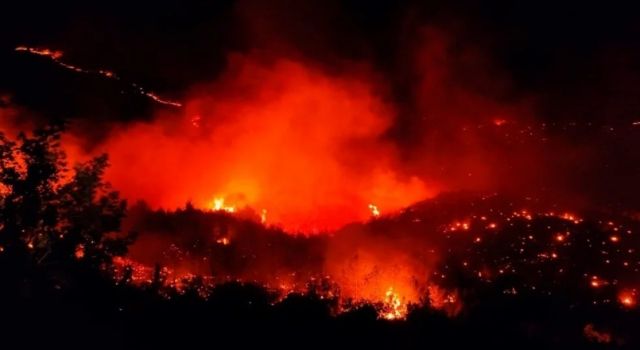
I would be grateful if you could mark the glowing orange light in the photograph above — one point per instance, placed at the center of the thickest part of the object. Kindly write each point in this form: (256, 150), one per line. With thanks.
(627, 298)
(499, 122)
(375, 212)
(614, 239)
(79, 253)
(55, 56)
(393, 308)
(263, 216)
(218, 205)
(223, 241)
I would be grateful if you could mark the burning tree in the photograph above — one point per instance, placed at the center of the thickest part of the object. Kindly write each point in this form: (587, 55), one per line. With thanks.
(51, 216)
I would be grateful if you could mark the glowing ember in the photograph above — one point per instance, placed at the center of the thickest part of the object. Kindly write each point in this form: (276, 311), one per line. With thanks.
(375, 212)
(79, 253)
(597, 283)
(54, 54)
(627, 298)
(223, 241)
(499, 122)
(263, 216)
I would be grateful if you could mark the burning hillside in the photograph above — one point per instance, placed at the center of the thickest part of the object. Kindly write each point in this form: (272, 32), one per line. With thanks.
(422, 254)
(396, 161)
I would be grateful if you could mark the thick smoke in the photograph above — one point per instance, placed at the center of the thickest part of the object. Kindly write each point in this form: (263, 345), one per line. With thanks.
(276, 135)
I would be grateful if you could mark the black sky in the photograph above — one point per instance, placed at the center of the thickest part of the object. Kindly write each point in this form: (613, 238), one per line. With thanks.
(581, 60)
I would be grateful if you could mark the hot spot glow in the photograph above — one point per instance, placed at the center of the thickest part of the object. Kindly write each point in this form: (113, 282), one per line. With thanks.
(627, 298)
(375, 212)
(79, 253)
(218, 205)
(393, 308)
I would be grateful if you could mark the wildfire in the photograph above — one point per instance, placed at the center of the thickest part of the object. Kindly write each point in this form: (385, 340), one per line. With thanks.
(571, 217)
(53, 54)
(263, 216)
(79, 252)
(393, 307)
(462, 225)
(627, 298)
(219, 205)
(597, 282)
(56, 55)
(375, 212)
(383, 270)
(223, 241)
(275, 136)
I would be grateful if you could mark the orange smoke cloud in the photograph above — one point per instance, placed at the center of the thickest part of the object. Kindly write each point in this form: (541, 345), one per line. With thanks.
(286, 137)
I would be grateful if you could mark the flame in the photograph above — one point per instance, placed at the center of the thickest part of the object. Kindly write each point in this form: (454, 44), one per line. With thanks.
(218, 205)
(53, 54)
(375, 212)
(393, 306)
(263, 216)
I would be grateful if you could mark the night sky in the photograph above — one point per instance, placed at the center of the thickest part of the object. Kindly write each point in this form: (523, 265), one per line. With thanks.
(581, 61)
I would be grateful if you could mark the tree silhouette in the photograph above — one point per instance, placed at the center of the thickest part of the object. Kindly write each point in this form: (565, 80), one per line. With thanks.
(51, 216)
